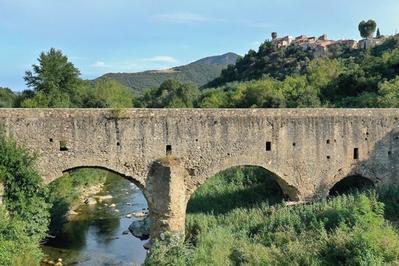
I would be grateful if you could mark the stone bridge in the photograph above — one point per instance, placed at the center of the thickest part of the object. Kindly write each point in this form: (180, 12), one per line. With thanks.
(169, 153)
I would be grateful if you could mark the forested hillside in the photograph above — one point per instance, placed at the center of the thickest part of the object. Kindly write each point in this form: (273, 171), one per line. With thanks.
(199, 73)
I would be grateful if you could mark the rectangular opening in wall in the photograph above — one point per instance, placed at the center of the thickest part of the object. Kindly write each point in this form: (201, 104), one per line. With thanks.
(268, 146)
(356, 153)
(63, 145)
(168, 149)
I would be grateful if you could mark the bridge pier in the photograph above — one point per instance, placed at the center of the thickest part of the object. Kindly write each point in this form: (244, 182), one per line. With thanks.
(168, 204)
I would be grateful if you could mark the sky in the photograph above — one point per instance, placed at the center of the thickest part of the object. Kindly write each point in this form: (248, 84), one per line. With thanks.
(101, 36)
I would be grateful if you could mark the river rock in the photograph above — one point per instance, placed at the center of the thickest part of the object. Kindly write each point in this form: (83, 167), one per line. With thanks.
(128, 215)
(90, 201)
(72, 213)
(126, 232)
(147, 245)
(113, 205)
(139, 214)
(141, 228)
(102, 198)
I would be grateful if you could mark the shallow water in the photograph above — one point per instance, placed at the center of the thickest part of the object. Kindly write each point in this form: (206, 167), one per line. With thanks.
(94, 236)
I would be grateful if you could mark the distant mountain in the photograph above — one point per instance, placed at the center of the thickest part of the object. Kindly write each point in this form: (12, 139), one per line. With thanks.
(199, 72)
(224, 59)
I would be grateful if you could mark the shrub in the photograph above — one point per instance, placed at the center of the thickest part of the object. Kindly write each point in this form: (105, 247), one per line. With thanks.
(25, 195)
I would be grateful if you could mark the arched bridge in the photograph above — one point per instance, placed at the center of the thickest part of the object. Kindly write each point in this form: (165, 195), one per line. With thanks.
(169, 153)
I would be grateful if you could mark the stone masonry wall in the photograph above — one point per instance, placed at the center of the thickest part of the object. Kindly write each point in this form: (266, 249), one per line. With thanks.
(308, 149)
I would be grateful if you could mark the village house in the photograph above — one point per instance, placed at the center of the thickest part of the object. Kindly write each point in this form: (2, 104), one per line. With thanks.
(321, 44)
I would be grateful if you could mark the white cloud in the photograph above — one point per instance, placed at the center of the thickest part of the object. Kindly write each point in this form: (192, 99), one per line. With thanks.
(99, 64)
(182, 18)
(161, 59)
(188, 18)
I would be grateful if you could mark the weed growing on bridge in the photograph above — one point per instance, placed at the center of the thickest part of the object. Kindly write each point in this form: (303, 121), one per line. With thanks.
(118, 113)
(255, 229)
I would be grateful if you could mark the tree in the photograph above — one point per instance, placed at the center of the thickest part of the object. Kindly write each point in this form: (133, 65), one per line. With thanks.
(173, 94)
(55, 77)
(7, 98)
(367, 29)
(108, 93)
(378, 33)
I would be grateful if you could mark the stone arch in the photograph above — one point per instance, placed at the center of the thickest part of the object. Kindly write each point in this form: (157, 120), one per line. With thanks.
(290, 190)
(342, 174)
(128, 177)
(353, 181)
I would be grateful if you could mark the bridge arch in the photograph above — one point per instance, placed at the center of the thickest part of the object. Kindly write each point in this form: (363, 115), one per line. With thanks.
(290, 191)
(346, 179)
(349, 183)
(132, 179)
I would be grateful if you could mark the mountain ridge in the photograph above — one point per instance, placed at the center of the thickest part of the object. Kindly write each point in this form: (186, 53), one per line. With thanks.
(199, 72)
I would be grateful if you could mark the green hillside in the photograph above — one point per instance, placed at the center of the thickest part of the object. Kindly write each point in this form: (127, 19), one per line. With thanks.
(199, 73)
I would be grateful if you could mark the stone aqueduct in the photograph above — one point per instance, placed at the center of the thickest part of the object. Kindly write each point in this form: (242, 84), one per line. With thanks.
(169, 153)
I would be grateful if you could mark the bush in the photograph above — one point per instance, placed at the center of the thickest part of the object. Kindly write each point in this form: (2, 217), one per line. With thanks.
(16, 247)
(25, 195)
(24, 217)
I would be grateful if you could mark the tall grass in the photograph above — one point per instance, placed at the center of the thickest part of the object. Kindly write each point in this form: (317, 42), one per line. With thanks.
(239, 218)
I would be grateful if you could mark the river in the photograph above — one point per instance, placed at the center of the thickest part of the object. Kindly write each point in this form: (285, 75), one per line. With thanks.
(95, 236)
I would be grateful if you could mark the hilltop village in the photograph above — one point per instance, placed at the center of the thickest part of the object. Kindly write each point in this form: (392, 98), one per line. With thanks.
(320, 45)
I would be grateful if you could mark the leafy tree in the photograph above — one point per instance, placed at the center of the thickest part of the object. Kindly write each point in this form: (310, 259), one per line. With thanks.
(367, 29)
(108, 93)
(214, 99)
(172, 94)
(55, 77)
(7, 98)
(389, 93)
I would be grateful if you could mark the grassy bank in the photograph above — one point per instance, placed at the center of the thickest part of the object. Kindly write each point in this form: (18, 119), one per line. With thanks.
(237, 218)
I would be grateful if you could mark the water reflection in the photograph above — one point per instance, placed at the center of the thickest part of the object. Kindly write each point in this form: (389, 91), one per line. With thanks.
(95, 236)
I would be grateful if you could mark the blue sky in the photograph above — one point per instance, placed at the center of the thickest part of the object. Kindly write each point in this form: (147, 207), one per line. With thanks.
(102, 36)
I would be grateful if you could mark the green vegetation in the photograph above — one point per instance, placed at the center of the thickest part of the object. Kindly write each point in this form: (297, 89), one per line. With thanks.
(231, 221)
(108, 93)
(269, 60)
(170, 94)
(7, 98)
(24, 217)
